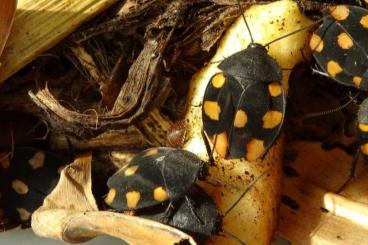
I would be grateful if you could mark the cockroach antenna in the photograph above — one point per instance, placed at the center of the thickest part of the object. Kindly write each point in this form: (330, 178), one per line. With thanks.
(245, 20)
(293, 32)
(249, 187)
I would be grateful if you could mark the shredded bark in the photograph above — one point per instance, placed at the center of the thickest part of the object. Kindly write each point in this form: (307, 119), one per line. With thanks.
(171, 29)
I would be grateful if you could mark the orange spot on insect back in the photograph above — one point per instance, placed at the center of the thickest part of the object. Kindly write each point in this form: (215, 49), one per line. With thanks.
(339, 12)
(5, 160)
(357, 80)
(221, 144)
(316, 43)
(344, 41)
(212, 110)
(131, 170)
(333, 68)
(241, 119)
(38, 160)
(364, 149)
(132, 198)
(364, 21)
(271, 119)
(24, 215)
(255, 148)
(151, 152)
(160, 194)
(274, 89)
(19, 187)
(218, 80)
(363, 127)
(110, 196)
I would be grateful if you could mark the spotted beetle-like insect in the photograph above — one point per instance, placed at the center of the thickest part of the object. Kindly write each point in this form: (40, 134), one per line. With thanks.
(160, 178)
(153, 177)
(244, 105)
(340, 47)
(198, 215)
(27, 180)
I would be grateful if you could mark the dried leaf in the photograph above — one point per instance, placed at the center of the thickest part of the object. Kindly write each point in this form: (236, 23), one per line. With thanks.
(130, 138)
(141, 89)
(72, 195)
(43, 29)
(7, 11)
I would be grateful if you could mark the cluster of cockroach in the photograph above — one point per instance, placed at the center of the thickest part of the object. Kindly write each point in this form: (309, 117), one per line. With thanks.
(243, 112)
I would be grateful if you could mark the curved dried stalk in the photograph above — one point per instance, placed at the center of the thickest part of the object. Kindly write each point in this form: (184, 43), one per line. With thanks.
(43, 28)
(141, 90)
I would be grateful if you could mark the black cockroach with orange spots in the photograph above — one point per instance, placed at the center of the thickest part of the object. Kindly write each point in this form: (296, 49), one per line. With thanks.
(153, 177)
(340, 47)
(198, 214)
(160, 184)
(244, 105)
(27, 180)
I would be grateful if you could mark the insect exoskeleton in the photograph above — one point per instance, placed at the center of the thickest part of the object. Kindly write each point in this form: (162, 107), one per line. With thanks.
(154, 176)
(340, 47)
(28, 179)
